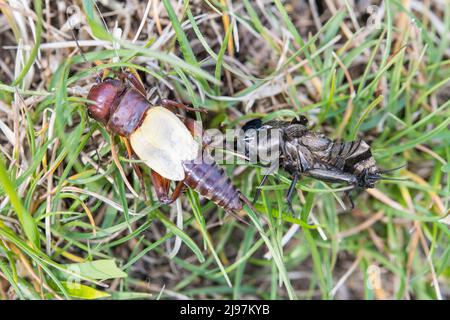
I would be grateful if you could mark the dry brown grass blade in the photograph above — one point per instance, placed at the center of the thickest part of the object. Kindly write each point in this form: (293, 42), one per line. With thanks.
(386, 200)
(375, 281)
(402, 23)
(349, 110)
(414, 241)
(425, 248)
(434, 197)
(3, 286)
(30, 271)
(431, 153)
(6, 9)
(155, 12)
(119, 166)
(90, 217)
(345, 29)
(361, 227)
(349, 272)
(226, 25)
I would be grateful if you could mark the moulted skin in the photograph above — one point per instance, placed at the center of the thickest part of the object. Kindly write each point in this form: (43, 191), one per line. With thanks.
(122, 109)
(128, 114)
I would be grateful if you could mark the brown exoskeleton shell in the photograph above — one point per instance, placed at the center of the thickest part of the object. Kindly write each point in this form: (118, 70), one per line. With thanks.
(163, 141)
(105, 95)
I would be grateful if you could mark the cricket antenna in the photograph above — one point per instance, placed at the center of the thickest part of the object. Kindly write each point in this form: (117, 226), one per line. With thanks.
(75, 9)
(393, 169)
(391, 179)
(107, 29)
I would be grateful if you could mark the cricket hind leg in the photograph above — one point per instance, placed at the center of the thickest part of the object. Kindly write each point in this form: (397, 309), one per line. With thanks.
(332, 175)
(335, 175)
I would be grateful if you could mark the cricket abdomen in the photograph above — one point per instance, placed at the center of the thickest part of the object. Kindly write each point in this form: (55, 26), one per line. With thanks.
(211, 182)
(353, 157)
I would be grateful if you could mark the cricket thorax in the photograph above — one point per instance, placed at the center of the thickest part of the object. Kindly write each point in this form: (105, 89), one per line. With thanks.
(129, 113)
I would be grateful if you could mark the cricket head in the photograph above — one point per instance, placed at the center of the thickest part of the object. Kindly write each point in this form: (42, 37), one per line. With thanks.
(368, 178)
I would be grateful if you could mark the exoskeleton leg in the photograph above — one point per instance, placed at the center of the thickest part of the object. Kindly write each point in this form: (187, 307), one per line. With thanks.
(167, 103)
(332, 175)
(135, 81)
(350, 199)
(162, 188)
(272, 168)
(290, 192)
(335, 176)
(258, 189)
(116, 160)
(130, 154)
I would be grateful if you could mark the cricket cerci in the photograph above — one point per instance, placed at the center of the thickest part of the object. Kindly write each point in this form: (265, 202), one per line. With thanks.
(162, 140)
(308, 153)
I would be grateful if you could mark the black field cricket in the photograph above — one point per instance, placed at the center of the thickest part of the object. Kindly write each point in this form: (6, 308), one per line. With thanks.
(303, 152)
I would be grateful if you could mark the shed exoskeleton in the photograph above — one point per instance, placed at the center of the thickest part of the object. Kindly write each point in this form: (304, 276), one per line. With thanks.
(162, 140)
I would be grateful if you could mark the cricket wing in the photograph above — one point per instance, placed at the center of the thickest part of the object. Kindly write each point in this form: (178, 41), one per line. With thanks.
(163, 142)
